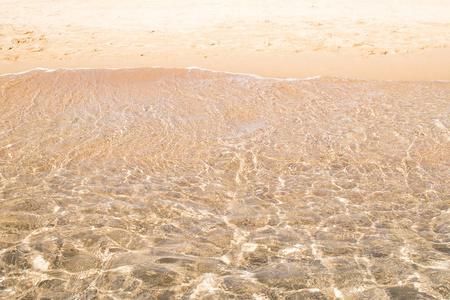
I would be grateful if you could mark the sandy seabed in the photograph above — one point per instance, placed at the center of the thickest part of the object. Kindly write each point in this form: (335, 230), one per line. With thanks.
(191, 184)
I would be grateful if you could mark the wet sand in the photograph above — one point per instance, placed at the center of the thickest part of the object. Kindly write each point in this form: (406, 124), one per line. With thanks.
(174, 183)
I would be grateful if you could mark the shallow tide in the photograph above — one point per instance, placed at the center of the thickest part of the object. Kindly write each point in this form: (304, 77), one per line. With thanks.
(191, 184)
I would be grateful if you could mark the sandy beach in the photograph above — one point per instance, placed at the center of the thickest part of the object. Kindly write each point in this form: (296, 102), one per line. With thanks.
(321, 173)
(403, 40)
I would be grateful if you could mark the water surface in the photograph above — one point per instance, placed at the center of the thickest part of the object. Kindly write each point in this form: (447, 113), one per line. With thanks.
(191, 184)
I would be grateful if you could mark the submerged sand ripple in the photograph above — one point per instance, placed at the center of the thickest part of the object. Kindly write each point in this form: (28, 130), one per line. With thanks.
(157, 183)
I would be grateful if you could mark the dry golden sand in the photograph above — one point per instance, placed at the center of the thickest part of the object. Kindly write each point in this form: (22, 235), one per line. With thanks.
(370, 39)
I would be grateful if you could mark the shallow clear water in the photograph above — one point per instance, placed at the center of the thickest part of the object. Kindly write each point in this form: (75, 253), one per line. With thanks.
(190, 184)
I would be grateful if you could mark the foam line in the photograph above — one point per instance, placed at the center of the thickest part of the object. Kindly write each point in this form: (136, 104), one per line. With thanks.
(214, 71)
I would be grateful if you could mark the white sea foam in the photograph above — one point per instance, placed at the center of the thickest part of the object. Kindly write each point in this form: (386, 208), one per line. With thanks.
(48, 70)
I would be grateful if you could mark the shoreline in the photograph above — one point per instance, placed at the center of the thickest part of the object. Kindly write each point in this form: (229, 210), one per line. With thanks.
(431, 64)
(255, 76)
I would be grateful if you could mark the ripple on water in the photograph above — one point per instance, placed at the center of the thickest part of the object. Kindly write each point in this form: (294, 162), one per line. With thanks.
(185, 183)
